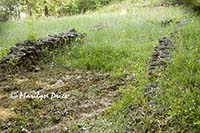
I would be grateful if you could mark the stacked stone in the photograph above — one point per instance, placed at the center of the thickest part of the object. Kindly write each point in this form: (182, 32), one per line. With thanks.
(27, 53)
(160, 57)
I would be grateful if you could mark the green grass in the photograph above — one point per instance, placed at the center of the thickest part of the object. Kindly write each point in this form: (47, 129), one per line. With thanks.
(183, 80)
(121, 41)
(176, 105)
(124, 44)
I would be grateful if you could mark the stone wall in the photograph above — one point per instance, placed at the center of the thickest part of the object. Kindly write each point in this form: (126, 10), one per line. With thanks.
(26, 55)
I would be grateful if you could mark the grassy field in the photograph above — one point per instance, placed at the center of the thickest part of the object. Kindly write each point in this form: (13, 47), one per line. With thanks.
(120, 41)
(124, 35)
(175, 108)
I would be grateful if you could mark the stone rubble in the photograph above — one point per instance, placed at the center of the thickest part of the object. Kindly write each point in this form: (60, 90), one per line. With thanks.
(27, 54)
(160, 57)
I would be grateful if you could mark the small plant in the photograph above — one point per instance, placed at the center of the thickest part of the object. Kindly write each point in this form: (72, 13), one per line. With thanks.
(32, 36)
(3, 52)
(12, 61)
(54, 119)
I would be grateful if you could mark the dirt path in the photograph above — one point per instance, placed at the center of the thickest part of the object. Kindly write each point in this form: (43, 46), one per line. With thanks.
(87, 94)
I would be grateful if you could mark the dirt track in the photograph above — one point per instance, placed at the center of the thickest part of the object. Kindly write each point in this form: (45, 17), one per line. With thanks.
(88, 94)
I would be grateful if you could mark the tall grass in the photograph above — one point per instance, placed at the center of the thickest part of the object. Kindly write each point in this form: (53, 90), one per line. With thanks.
(121, 40)
(183, 80)
(176, 106)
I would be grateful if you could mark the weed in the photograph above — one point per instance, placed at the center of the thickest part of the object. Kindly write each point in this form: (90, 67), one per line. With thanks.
(32, 36)
(3, 52)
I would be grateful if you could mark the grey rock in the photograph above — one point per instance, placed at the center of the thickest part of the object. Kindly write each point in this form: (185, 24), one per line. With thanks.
(151, 85)
(3, 66)
(162, 48)
(23, 50)
(19, 55)
(154, 63)
(19, 44)
(152, 68)
(155, 54)
(13, 49)
(164, 55)
(27, 42)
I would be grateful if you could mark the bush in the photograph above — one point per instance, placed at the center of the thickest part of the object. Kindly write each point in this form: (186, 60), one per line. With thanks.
(194, 3)
(4, 16)
(12, 8)
(81, 6)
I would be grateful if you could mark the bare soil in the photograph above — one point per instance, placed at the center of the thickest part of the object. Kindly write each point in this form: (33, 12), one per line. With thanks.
(87, 96)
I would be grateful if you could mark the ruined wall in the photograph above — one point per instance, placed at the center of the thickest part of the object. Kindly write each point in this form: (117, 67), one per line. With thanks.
(27, 54)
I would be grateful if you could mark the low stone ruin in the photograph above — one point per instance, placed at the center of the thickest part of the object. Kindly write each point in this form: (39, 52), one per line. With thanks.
(160, 57)
(27, 54)
(159, 61)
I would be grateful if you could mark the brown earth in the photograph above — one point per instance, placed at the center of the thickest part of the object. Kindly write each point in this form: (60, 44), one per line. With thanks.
(87, 96)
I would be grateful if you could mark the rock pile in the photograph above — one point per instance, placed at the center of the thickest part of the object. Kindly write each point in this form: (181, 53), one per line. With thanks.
(160, 57)
(27, 54)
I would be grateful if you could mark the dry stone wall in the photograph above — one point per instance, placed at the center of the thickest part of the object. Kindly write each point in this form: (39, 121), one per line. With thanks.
(27, 54)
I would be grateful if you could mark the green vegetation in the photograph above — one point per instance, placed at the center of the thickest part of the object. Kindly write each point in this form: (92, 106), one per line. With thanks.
(175, 108)
(123, 37)
(13, 8)
(182, 76)
(119, 41)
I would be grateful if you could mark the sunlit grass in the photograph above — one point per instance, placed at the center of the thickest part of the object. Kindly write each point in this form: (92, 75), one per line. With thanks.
(121, 40)
(126, 35)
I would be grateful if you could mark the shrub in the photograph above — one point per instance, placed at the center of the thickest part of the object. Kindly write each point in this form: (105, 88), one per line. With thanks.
(81, 6)
(194, 3)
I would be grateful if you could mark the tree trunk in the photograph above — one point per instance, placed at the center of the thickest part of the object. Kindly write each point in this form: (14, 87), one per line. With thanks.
(18, 12)
(46, 11)
(30, 11)
(82, 11)
(29, 8)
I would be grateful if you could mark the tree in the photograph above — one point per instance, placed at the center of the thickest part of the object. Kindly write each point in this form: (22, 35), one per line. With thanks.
(28, 5)
(12, 8)
(8, 9)
(194, 3)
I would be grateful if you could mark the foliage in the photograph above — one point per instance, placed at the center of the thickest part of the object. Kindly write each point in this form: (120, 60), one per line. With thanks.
(31, 35)
(98, 57)
(174, 107)
(3, 52)
(182, 86)
(194, 3)
(80, 6)
(13, 8)
(8, 8)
